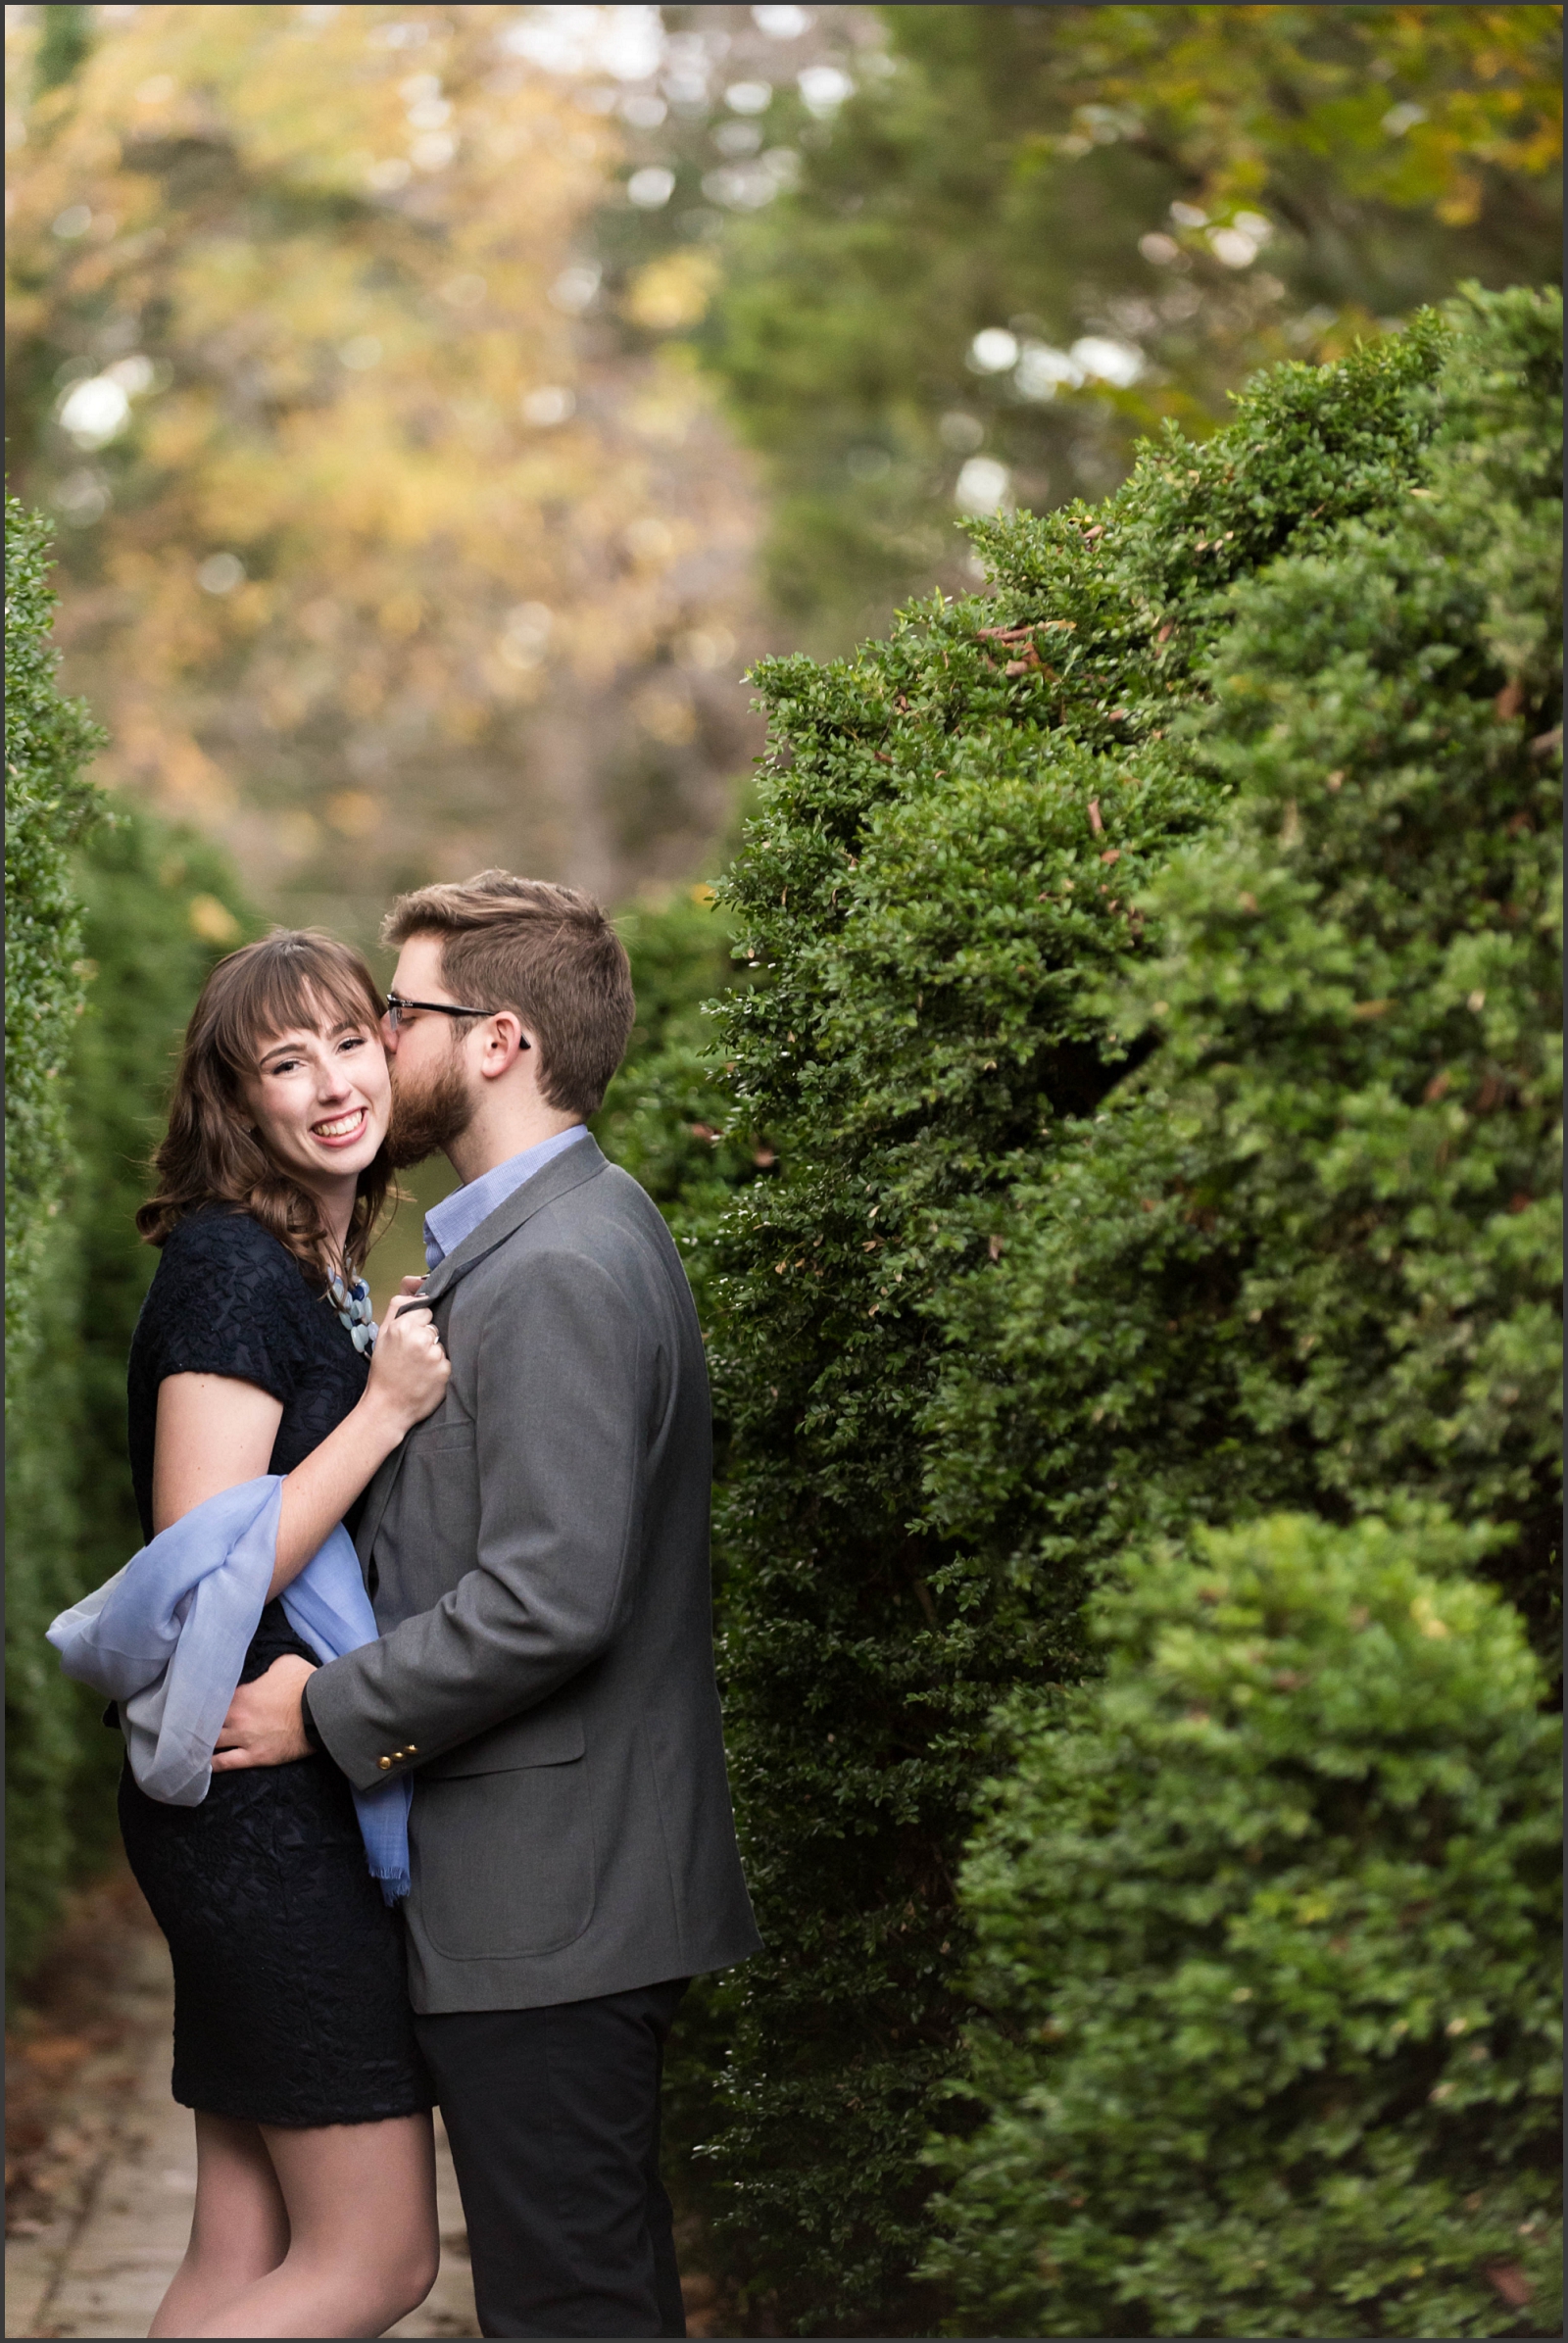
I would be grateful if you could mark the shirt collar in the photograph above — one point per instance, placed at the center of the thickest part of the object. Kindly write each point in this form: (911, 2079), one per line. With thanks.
(457, 1215)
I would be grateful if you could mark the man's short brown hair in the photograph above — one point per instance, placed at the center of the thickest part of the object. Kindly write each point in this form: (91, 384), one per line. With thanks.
(547, 951)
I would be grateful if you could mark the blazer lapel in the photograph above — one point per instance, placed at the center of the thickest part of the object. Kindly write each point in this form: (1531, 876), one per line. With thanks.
(375, 1505)
(579, 1162)
(569, 1169)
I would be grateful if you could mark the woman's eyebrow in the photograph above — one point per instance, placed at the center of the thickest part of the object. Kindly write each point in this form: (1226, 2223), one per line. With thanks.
(295, 1043)
(288, 1047)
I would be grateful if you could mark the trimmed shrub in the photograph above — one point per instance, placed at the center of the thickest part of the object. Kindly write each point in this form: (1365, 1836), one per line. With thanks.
(665, 1113)
(49, 804)
(155, 906)
(111, 922)
(1311, 1253)
(1036, 1274)
(1261, 1917)
(160, 904)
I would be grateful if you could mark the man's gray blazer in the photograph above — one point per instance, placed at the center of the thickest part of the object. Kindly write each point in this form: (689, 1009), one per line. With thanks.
(537, 1552)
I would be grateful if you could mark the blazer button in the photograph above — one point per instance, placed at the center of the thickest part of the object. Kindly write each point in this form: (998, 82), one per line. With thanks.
(383, 1763)
(410, 1750)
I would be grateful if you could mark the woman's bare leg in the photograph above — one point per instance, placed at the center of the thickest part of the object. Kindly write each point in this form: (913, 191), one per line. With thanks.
(238, 2232)
(362, 2244)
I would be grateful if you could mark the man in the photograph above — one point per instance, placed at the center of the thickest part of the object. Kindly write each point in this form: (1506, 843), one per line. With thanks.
(537, 1552)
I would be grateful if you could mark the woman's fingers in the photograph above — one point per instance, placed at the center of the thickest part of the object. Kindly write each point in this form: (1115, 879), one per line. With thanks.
(411, 1314)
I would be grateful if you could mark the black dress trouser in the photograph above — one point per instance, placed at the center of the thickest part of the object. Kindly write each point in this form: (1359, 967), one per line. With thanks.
(553, 2118)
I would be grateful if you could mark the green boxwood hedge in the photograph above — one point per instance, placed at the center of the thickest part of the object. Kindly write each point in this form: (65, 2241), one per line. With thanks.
(1263, 1919)
(1311, 1255)
(112, 920)
(49, 805)
(1149, 1011)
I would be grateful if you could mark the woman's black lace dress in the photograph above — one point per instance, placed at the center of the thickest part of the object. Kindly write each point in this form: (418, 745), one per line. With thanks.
(290, 1999)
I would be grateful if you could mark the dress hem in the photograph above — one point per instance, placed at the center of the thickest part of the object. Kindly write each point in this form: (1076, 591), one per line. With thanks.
(296, 2123)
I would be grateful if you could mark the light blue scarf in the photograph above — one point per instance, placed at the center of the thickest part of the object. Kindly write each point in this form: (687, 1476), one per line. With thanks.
(166, 1637)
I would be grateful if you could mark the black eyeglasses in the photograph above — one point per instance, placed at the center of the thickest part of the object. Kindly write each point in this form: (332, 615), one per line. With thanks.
(397, 1009)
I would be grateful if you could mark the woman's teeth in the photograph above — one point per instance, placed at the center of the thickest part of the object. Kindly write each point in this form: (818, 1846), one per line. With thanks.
(342, 1127)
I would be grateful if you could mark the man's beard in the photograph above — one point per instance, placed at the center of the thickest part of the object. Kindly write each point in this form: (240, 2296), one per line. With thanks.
(426, 1122)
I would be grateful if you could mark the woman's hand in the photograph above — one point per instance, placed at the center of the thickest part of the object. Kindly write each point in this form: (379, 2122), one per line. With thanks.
(215, 1430)
(409, 1369)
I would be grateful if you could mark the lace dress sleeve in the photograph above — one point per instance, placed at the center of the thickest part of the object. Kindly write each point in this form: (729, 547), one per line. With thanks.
(228, 1300)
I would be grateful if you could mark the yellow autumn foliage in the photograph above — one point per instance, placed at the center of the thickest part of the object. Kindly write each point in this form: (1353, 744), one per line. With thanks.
(374, 505)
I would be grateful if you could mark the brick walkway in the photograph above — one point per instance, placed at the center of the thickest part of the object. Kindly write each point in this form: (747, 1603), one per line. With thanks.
(109, 2208)
(100, 2164)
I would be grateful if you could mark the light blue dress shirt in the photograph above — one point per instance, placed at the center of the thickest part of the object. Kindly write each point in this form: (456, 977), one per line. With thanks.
(457, 1215)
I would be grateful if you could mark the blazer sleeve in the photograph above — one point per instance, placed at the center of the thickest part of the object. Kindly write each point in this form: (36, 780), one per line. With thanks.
(561, 1433)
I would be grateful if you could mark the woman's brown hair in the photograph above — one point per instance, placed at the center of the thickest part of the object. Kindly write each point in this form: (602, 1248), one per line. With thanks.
(210, 1154)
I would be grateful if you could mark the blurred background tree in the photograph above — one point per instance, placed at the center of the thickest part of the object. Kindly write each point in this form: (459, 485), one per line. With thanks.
(1021, 236)
(379, 562)
(366, 356)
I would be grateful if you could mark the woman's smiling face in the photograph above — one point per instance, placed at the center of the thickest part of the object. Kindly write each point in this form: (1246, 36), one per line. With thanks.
(320, 1100)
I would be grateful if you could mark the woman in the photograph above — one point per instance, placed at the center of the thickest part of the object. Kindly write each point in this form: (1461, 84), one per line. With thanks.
(293, 2040)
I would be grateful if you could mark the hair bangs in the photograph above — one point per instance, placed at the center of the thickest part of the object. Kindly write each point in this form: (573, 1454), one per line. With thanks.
(293, 980)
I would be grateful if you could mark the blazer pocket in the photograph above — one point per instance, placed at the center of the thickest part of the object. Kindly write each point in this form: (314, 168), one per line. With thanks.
(504, 1865)
(428, 1441)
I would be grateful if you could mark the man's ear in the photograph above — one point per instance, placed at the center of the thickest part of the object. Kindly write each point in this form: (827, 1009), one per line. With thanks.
(504, 1043)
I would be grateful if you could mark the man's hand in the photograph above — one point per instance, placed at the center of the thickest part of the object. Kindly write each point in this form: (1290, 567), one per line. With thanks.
(263, 1725)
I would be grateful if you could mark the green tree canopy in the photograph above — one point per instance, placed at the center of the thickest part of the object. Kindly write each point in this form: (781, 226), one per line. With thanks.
(1045, 230)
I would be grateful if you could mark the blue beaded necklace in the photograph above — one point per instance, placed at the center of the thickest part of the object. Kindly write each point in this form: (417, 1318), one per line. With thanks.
(352, 1303)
